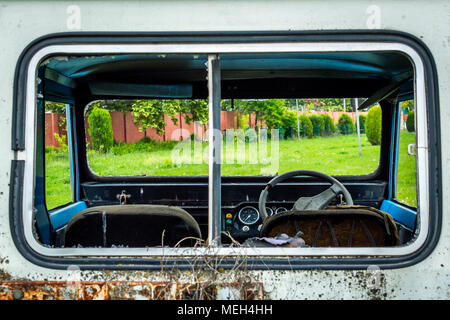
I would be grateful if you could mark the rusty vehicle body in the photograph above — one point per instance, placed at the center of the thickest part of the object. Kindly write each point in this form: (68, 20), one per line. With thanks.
(352, 49)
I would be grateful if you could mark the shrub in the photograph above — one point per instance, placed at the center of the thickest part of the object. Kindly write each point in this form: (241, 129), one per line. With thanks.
(345, 124)
(362, 120)
(100, 130)
(61, 139)
(306, 126)
(362, 123)
(318, 124)
(289, 123)
(244, 121)
(410, 122)
(329, 127)
(373, 125)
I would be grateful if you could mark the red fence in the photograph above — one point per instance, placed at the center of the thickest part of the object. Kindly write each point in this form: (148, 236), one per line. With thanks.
(125, 130)
(54, 123)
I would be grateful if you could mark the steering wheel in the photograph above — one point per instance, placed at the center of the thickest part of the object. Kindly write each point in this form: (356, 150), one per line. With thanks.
(317, 202)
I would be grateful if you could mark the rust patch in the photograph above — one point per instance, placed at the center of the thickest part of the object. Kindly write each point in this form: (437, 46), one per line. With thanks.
(124, 290)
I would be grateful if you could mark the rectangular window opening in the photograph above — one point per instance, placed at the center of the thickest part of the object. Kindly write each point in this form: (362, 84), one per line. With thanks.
(136, 180)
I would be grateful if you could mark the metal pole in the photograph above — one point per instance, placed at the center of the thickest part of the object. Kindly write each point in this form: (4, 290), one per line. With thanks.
(357, 126)
(215, 145)
(298, 122)
(345, 101)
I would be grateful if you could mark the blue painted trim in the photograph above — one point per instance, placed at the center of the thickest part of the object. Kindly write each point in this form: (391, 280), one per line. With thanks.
(73, 153)
(75, 148)
(391, 157)
(60, 217)
(401, 214)
(71, 149)
(397, 147)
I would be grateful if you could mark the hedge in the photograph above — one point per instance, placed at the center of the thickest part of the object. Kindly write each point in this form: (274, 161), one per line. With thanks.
(329, 127)
(318, 124)
(362, 123)
(345, 124)
(306, 127)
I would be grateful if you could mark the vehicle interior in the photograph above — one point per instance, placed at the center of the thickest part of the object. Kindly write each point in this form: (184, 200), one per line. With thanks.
(324, 208)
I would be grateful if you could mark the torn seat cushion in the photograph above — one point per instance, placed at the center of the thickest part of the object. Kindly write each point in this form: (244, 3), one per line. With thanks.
(337, 226)
(131, 226)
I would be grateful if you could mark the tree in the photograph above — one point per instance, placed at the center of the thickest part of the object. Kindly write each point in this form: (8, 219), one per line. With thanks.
(194, 110)
(273, 112)
(150, 114)
(55, 107)
(268, 111)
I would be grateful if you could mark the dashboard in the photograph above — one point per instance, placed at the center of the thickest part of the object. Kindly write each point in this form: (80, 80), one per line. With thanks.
(240, 213)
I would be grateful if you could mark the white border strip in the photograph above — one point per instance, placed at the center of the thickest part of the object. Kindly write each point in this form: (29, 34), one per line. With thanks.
(28, 155)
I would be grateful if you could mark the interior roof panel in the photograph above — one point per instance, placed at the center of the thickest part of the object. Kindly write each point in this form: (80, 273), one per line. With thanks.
(290, 73)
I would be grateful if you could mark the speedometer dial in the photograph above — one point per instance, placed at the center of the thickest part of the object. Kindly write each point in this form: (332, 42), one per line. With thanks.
(280, 209)
(248, 215)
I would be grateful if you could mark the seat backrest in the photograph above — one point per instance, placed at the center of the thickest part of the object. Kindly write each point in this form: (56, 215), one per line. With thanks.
(342, 226)
(131, 226)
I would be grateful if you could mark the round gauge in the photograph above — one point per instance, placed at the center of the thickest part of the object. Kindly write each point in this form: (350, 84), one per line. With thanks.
(280, 209)
(269, 211)
(248, 215)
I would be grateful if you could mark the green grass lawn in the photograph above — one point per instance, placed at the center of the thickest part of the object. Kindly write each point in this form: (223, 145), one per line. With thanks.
(332, 155)
(406, 184)
(57, 178)
(336, 155)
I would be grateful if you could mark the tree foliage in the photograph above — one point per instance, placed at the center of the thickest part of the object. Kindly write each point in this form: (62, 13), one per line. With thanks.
(150, 113)
(267, 111)
(194, 110)
(55, 107)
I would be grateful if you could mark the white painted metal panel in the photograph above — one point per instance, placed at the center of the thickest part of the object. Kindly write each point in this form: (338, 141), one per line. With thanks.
(24, 21)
